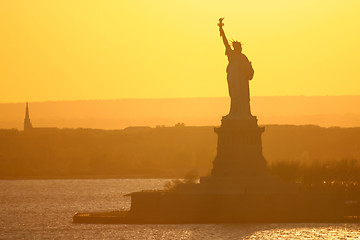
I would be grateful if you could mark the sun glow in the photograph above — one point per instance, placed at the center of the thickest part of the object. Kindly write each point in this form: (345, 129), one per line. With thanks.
(67, 50)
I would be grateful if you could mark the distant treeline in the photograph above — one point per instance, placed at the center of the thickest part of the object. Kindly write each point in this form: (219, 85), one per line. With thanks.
(344, 172)
(171, 152)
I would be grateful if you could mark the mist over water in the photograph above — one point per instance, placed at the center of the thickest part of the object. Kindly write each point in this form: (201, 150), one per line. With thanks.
(324, 111)
(43, 209)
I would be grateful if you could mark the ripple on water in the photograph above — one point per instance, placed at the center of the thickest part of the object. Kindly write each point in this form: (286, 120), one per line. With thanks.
(43, 209)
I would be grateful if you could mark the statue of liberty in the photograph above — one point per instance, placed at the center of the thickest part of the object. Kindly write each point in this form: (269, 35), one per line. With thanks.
(239, 72)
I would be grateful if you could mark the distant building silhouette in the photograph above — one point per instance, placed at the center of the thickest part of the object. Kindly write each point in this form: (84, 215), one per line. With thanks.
(27, 122)
(29, 128)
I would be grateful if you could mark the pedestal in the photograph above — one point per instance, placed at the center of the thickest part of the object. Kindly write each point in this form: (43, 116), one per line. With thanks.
(239, 149)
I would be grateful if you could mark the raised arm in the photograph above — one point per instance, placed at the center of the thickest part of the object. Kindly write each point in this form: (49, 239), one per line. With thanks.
(222, 34)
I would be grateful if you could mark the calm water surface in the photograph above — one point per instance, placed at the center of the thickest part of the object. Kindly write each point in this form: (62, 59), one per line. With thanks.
(43, 209)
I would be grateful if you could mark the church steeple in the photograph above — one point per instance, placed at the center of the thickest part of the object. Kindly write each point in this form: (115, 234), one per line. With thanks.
(27, 123)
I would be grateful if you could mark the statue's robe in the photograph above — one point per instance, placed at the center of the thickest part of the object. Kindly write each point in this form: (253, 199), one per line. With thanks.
(239, 72)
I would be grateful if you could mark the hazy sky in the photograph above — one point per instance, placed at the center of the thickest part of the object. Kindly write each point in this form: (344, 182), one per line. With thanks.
(85, 49)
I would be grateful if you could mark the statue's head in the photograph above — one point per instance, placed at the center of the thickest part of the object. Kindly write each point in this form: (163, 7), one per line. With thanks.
(237, 46)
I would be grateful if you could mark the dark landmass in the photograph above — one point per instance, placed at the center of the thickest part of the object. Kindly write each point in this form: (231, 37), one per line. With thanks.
(163, 152)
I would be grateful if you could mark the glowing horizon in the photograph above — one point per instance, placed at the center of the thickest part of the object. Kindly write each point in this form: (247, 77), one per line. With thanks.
(65, 50)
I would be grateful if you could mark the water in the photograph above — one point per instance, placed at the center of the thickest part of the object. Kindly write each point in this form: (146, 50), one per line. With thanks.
(43, 209)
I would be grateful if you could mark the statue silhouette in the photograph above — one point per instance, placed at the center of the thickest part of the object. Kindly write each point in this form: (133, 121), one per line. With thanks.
(239, 72)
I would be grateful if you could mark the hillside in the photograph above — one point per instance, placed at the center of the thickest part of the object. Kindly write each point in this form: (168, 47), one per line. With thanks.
(157, 152)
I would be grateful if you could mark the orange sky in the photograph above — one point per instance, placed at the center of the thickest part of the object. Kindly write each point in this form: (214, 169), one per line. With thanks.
(85, 49)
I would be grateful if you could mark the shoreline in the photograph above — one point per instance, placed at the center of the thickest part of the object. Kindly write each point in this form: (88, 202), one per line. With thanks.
(88, 177)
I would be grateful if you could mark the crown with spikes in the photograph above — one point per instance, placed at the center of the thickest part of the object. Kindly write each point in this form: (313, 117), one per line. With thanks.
(236, 42)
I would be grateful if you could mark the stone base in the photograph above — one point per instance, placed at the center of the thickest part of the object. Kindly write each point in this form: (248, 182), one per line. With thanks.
(247, 185)
(239, 149)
